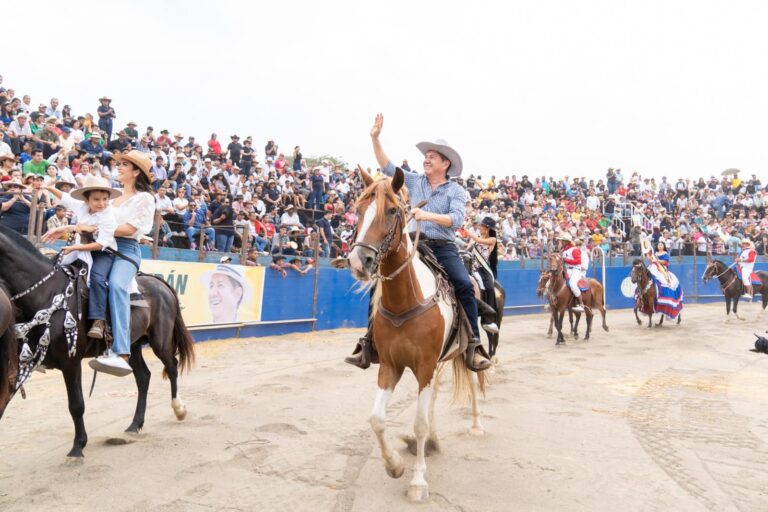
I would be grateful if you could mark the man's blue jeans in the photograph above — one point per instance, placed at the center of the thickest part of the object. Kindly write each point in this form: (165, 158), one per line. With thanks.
(224, 242)
(193, 232)
(449, 259)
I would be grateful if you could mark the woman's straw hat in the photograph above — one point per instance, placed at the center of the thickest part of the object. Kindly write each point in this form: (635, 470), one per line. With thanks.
(138, 159)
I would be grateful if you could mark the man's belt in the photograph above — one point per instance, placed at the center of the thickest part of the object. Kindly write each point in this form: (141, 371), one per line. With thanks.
(435, 242)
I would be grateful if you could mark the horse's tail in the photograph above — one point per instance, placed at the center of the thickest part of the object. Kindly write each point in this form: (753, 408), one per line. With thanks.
(183, 343)
(462, 380)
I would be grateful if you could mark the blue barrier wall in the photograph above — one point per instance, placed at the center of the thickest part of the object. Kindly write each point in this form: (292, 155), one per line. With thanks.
(340, 305)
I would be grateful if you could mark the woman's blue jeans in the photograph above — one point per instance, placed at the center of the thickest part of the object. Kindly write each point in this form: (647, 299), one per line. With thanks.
(224, 242)
(119, 298)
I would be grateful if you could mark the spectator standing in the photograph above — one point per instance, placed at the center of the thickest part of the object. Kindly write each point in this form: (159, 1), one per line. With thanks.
(234, 150)
(326, 234)
(223, 220)
(14, 207)
(106, 116)
(214, 146)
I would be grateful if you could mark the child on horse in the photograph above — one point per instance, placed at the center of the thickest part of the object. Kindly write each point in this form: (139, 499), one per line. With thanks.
(746, 262)
(574, 271)
(90, 205)
(486, 269)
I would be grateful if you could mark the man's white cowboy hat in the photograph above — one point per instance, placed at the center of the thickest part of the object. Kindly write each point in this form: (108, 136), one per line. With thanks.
(748, 242)
(234, 272)
(442, 147)
(565, 236)
(95, 183)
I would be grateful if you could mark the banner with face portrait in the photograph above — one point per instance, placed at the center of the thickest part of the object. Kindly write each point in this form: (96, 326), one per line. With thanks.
(212, 293)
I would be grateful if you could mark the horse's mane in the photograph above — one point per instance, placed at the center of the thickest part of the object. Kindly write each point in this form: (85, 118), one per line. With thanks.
(25, 245)
(381, 188)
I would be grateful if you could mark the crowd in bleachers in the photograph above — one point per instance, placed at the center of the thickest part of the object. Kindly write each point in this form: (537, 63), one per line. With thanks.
(212, 196)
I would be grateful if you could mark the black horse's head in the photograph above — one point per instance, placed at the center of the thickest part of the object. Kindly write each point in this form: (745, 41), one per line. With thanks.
(21, 263)
(713, 270)
(638, 269)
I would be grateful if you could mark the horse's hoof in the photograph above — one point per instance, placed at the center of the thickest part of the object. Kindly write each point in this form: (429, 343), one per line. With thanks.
(495, 360)
(76, 452)
(639, 322)
(134, 428)
(396, 468)
(418, 493)
(477, 431)
(605, 328)
(179, 409)
(431, 446)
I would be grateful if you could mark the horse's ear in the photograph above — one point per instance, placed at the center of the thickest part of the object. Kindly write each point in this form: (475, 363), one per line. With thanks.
(367, 180)
(398, 180)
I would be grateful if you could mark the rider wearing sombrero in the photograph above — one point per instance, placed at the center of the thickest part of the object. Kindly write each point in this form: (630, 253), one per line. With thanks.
(442, 215)
(746, 261)
(572, 259)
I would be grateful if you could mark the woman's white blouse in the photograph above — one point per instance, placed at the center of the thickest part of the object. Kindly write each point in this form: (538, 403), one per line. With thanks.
(138, 211)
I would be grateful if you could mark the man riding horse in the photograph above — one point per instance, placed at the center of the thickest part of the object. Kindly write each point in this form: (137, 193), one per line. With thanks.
(441, 216)
(746, 261)
(572, 258)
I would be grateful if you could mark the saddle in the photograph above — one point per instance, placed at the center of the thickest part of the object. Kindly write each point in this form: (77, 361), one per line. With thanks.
(460, 332)
(754, 278)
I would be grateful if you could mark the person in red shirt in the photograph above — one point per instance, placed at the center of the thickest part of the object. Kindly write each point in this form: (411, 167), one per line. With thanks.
(746, 262)
(214, 146)
(163, 140)
(574, 272)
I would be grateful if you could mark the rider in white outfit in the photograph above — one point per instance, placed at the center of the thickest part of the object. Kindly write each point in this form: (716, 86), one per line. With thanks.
(747, 262)
(572, 259)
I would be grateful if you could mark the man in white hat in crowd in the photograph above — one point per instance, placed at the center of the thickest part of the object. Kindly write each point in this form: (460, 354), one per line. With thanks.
(572, 257)
(746, 261)
(442, 215)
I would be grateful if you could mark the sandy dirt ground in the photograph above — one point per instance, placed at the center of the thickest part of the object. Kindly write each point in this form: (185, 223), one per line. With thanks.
(671, 418)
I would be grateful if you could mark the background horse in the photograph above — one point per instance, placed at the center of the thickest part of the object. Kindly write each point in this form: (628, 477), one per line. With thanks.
(22, 267)
(412, 316)
(733, 287)
(645, 300)
(500, 300)
(560, 297)
(542, 287)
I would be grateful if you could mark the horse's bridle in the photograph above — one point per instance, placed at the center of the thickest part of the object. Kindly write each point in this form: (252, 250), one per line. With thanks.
(722, 286)
(385, 246)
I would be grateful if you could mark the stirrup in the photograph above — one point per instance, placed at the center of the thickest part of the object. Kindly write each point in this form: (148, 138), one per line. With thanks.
(474, 347)
(364, 354)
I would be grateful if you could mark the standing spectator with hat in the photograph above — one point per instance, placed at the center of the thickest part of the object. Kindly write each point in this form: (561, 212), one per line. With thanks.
(106, 115)
(234, 150)
(14, 207)
(442, 215)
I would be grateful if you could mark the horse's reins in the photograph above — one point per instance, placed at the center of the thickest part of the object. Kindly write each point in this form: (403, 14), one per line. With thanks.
(724, 287)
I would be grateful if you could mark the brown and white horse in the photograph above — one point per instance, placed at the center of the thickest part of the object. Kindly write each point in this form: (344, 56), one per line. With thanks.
(411, 319)
(560, 297)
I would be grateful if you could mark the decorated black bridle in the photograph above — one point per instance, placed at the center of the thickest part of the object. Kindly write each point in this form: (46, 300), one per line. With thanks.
(385, 247)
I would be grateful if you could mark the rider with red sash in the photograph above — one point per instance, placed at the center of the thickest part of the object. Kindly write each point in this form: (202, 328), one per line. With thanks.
(573, 269)
(746, 261)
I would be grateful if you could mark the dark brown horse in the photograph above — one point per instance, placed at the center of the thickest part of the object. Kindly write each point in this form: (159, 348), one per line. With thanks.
(561, 298)
(645, 299)
(542, 287)
(733, 288)
(8, 352)
(23, 267)
(412, 316)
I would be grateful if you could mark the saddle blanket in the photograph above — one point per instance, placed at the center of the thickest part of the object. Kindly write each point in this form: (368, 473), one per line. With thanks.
(754, 277)
(583, 285)
(669, 301)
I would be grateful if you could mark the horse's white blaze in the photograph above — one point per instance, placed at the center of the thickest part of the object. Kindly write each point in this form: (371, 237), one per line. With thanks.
(370, 214)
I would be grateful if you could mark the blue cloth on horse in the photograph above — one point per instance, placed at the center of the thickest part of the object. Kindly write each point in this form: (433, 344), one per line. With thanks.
(754, 278)
(583, 285)
(669, 301)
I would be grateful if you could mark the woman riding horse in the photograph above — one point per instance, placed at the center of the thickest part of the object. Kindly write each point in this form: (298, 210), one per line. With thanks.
(134, 212)
(486, 245)
(659, 266)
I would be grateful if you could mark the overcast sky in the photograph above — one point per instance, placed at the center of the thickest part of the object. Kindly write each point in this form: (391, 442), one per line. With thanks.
(676, 88)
